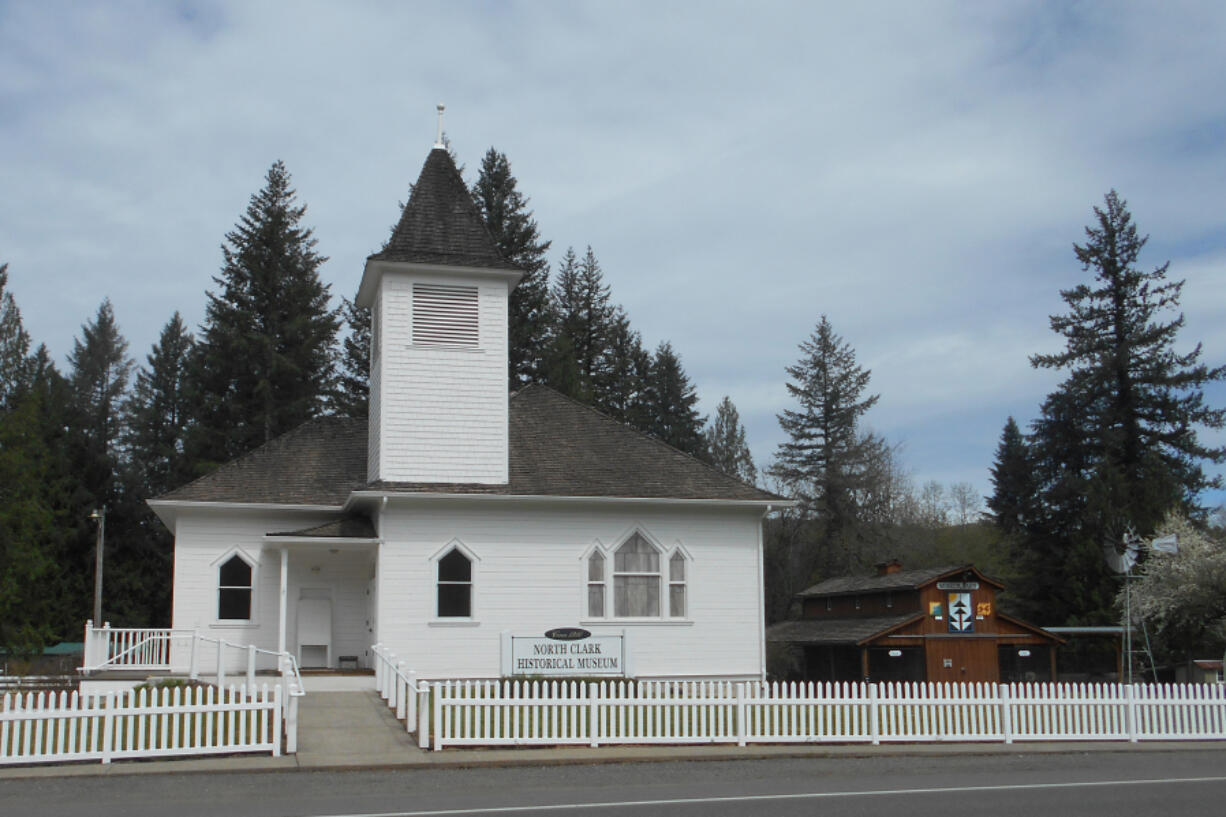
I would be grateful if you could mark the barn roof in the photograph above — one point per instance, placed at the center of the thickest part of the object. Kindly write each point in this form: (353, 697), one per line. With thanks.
(901, 580)
(837, 630)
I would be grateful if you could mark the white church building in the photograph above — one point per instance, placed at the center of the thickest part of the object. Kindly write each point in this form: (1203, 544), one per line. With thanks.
(459, 518)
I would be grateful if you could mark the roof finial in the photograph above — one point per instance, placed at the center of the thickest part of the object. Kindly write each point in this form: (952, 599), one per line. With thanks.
(438, 142)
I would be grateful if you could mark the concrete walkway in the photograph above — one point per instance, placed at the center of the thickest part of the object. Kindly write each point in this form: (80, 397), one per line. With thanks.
(356, 730)
(351, 729)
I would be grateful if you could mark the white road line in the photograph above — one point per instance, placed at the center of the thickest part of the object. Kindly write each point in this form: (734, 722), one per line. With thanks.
(745, 798)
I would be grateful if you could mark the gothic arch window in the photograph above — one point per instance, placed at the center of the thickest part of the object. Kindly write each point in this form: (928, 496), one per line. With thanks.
(234, 589)
(455, 585)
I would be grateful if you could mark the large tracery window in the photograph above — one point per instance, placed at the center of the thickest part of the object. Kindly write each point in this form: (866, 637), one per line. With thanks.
(636, 579)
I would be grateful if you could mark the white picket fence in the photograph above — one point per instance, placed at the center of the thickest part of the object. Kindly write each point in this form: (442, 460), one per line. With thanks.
(501, 713)
(147, 723)
(398, 685)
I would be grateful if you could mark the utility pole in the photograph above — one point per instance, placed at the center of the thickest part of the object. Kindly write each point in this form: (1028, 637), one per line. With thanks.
(100, 515)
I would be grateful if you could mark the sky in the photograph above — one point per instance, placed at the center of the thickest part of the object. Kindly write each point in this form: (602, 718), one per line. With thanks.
(917, 172)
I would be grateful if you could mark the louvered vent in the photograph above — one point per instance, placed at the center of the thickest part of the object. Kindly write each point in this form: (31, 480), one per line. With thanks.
(444, 316)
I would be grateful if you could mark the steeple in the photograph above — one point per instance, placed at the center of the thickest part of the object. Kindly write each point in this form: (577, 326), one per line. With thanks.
(438, 293)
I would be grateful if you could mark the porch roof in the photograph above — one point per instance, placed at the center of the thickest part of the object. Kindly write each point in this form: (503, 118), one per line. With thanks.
(353, 526)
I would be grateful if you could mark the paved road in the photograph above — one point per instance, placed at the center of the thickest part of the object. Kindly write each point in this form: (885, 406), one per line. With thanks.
(1154, 784)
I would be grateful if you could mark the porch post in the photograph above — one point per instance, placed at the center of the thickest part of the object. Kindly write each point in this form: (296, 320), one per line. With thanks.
(281, 607)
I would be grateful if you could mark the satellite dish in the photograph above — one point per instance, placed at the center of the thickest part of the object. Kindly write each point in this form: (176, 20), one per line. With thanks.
(1121, 552)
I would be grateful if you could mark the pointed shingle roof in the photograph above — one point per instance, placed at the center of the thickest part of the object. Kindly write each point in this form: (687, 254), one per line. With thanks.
(558, 447)
(441, 223)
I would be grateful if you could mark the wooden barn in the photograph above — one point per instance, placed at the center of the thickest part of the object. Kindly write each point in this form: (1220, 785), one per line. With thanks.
(933, 624)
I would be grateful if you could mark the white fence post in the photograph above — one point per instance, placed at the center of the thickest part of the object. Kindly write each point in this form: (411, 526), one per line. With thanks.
(438, 716)
(376, 651)
(251, 666)
(108, 728)
(410, 720)
(221, 664)
(873, 722)
(593, 717)
(291, 725)
(401, 692)
(1006, 712)
(276, 719)
(1130, 697)
(741, 726)
(423, 715)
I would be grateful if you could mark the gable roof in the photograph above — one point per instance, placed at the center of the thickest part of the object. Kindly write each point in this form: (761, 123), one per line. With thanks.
(441, 223)
(902, 580)
(317, 463)
(837, 630)
(558, 447)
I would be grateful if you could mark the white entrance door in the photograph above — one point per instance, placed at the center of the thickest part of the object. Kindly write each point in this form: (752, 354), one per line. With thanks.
(315, 628)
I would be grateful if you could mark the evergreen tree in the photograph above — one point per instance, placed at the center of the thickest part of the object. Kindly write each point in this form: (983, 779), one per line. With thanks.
(506, 214)
(1012, 481)
(726, 444)
(583, 316)
(621, 384)
(671, 400)
(100, 368)
(1115, 447)
(827, 459)
(159, 410)
(353, 392)
(265, 361)
(14, 345)
(27, 529)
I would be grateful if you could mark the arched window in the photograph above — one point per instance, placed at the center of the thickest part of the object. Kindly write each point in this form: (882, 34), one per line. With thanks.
(234, 590)
(676, 585)
(595, 584)
(636, 579)
(455, 586)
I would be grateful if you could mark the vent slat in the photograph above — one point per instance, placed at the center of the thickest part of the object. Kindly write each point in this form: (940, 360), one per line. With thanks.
(445, 315)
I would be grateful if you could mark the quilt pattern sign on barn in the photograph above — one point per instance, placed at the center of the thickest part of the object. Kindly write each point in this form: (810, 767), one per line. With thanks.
(961, 619)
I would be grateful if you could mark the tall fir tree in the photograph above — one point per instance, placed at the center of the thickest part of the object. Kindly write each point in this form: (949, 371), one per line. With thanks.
(726, 444)
(620, 387)
(672, 415)
(353, 383)
(99, 373)
(159, 411)
(266, 357)
(14, 345)
(1116, 445)
(1013, 483)
(510, 222)
(583, 319)
(827, 458)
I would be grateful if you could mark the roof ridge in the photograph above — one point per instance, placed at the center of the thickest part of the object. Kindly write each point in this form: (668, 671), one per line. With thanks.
(656, 440)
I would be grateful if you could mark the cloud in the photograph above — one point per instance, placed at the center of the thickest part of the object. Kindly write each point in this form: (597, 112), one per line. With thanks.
(918, 172)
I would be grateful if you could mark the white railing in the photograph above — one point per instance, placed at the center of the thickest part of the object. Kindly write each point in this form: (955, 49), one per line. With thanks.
(139, 723)
(398, 686)
(164, 650)
(493, 713)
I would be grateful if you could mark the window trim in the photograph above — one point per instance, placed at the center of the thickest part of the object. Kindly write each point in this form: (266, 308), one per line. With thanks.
(434, 619)
(609, 579)
(254, 564)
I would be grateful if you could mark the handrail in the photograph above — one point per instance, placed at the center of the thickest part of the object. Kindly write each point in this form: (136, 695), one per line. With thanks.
(287, 663)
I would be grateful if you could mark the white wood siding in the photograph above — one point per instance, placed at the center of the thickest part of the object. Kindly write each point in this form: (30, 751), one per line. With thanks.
(202, 537)
(531, 576)
(374, 427)
(442, 413)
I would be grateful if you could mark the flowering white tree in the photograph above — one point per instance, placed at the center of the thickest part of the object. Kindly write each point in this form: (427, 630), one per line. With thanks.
(1182, 596)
